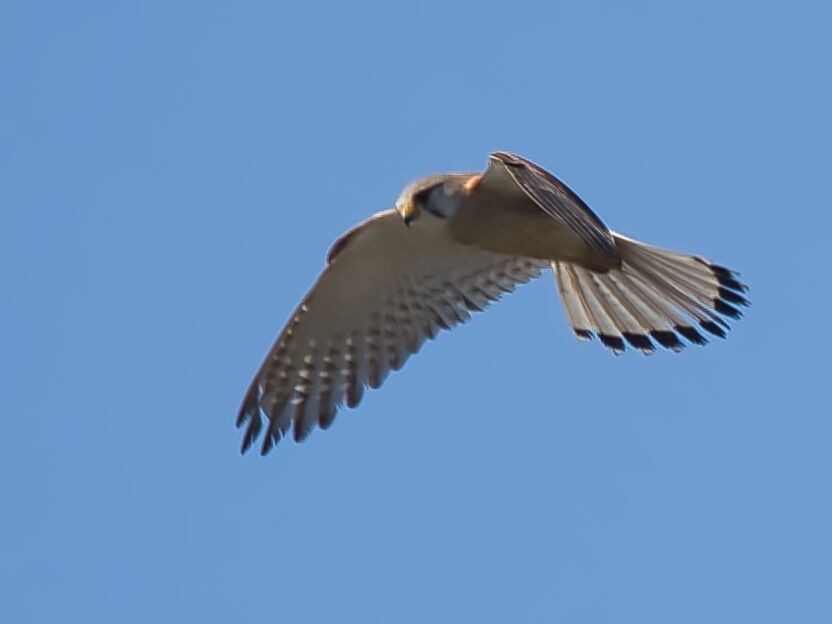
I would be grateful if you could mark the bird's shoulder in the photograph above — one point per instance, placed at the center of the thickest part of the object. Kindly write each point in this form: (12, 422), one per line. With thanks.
(376, 221)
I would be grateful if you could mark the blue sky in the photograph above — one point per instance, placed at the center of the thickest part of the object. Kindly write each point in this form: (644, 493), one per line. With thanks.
(171, 176)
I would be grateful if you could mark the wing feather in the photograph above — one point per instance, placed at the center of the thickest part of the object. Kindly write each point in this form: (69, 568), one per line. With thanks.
(557, 200)
(386, 289)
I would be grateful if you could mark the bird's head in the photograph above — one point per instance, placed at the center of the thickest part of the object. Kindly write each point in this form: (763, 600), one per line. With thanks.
(437, 195)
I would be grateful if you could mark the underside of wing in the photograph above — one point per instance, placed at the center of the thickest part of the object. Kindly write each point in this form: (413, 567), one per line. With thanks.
(385, 290)
(557, 200)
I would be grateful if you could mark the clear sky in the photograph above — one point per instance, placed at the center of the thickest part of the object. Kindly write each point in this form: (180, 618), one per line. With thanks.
(171, 177)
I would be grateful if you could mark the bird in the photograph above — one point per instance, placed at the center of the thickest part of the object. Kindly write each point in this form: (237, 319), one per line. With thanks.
(453, 244)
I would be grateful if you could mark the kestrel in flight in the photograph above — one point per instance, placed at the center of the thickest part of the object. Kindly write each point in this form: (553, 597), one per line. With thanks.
(453, 244)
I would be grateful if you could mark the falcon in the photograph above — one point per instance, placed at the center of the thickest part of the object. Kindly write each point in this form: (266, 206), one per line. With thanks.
(453, 244)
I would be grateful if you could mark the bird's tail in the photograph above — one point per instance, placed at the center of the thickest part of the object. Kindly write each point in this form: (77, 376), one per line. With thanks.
(654, 295)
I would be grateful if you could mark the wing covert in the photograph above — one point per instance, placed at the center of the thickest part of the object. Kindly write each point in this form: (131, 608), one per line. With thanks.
(385, 290)
(557, 200)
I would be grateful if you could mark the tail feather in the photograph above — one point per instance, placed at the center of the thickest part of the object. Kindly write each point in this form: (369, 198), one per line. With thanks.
(575, 311)
(640, 321)
(671, 289)
(655, 295)
(665, 322)
(650, 310)
(624, 324)
(599, 314)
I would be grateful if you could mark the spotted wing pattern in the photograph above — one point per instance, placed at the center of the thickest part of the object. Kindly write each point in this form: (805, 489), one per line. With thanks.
(385, 290)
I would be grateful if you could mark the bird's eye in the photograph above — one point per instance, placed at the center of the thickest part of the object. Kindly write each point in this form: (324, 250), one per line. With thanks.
(422, 197)
(434, 200)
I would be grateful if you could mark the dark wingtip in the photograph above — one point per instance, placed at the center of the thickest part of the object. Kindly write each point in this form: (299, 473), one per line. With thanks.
(691, 335)
(640, 342)
(250, 406)
(667, 339)
(300, 431)
(615, 343)
(250, 413)
(354, 395)
(269, 441)
(255, 424)
(326, 419)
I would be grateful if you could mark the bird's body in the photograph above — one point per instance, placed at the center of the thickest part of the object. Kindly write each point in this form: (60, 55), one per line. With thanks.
(455, 243)
(493, 205)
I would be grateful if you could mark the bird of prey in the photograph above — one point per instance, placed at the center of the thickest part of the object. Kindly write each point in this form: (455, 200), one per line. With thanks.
(453, 244)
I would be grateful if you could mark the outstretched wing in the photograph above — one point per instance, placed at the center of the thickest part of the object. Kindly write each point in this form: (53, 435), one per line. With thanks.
(386, 288)
(557, 200)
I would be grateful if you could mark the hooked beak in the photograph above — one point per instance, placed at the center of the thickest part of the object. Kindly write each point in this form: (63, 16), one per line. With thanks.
(408, 212)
